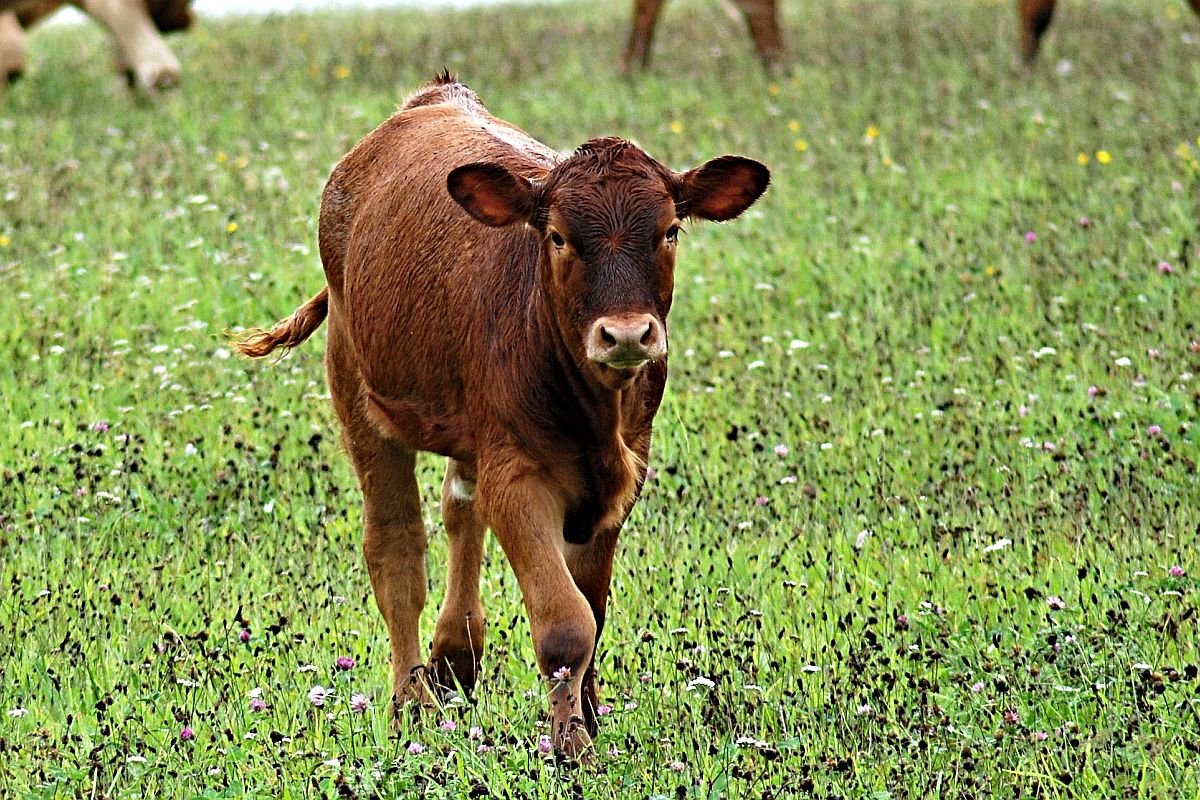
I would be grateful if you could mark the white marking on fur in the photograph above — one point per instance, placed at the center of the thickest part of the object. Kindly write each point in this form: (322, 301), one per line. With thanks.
(462, 491)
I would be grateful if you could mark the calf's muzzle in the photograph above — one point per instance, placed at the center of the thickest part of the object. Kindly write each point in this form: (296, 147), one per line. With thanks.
(627, 340)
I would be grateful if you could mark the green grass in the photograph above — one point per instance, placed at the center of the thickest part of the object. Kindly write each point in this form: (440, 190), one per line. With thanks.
(880, 313)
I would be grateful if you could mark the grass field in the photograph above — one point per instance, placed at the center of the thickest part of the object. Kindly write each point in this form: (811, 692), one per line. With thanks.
(926, 513)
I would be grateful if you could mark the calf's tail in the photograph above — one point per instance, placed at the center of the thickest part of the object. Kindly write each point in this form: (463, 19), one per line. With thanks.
(286, 333)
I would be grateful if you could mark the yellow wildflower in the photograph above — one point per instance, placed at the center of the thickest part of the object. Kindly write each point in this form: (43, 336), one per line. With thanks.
(886, 161)
(341, 72)
(794, 125)
(4, 240)
(773, 89)
(231, 227)
(1083, 158)
(801, 145)
(991, 271)
(872, 132)
(1104, 157)
(222, 158)
(676, 127)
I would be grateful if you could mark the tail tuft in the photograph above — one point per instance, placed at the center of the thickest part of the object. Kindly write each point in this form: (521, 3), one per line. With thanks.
(287, 333)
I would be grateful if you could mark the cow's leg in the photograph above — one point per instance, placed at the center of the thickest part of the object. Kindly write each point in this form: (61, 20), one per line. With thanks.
(12, 48)
(528, 520)
(458, 637)
(1035, 17)
(393, 531)
(762, 18)
(641, 34)
(591, 568)
(141, 50)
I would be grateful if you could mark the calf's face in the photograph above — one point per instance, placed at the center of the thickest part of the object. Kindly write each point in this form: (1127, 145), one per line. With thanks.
(609, 219)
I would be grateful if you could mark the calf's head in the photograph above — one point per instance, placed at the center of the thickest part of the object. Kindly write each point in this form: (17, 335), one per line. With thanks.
(609, 219)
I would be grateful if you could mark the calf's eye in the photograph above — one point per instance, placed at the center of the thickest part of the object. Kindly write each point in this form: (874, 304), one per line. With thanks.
(557, 239)
(672, 234)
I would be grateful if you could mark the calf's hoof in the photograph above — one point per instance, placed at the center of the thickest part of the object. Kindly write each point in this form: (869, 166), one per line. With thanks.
(454, 673)
(165, 80)
(412, 694)
(573, 744)
(154, 78)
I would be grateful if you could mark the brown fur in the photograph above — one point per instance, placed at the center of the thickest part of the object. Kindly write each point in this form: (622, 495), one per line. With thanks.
(1035, 17)
(527, 345)
(762, 20)
(30, 12)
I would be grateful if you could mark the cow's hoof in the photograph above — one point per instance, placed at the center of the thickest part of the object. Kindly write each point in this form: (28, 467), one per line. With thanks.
(453, 673)
(154, 80)
(166, 80)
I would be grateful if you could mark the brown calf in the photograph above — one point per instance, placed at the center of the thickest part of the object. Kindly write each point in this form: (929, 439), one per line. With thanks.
(136, 26)
(497, 303)
(1035, 17)
(762, 17)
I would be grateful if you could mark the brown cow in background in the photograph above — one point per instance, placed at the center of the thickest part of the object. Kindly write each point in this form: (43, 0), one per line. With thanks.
(762, 18)
(136, 27)
(1035, 17)
(504, 306)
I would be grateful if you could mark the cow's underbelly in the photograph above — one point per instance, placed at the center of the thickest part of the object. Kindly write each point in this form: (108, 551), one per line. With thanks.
(421, 427)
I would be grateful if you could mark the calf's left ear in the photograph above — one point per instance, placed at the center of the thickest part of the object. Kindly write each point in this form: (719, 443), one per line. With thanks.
(721, 189)
(492, 194)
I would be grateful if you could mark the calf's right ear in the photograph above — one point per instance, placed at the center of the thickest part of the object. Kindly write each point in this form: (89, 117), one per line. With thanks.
(492, 194)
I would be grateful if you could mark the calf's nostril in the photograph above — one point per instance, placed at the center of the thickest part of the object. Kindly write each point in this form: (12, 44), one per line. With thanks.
(607, 338)
(647, 335)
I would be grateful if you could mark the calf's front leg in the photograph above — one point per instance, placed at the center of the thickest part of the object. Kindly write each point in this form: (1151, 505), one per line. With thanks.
(527, 518)
(591, 568)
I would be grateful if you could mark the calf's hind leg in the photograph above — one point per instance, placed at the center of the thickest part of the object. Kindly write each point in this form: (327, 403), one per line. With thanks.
(393, 531)
(394, 546)
(458, 637)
